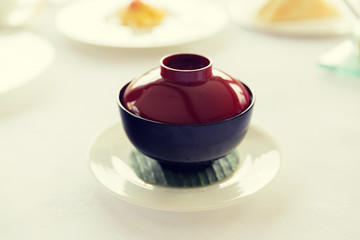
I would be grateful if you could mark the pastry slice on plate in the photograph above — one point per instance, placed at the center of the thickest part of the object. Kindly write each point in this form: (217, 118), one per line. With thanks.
(294, 10)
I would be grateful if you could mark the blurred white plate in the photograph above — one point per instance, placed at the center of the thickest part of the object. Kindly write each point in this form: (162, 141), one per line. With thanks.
(92, 22)
(109, 159)
(23, 57)
(244, 11)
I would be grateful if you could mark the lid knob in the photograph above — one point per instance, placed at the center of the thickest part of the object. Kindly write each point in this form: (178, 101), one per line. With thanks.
(185, 68)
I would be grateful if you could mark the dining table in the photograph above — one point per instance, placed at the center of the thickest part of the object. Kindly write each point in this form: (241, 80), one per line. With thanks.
(48, 127)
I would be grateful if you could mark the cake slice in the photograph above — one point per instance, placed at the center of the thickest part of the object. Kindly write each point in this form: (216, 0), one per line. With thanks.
(294, 10)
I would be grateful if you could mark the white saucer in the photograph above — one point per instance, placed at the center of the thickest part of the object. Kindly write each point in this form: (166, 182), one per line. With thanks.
(187, 21)
(243, 12)
(24, 56)
(260, 159)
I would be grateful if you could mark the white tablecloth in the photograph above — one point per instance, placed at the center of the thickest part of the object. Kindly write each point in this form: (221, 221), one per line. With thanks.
(47, 126)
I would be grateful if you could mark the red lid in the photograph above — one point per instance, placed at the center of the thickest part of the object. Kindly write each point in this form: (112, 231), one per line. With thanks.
(186, 90)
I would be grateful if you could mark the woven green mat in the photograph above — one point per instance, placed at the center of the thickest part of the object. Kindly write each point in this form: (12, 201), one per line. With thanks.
(196, 175)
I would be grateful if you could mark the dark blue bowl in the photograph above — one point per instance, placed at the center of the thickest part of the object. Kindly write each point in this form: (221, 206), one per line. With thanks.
(183, 144)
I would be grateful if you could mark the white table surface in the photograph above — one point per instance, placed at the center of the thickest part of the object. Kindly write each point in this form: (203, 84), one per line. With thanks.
(47, 126)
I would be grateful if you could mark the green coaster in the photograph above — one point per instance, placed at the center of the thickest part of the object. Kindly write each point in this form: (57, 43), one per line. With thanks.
(342, 58)
(194, 175)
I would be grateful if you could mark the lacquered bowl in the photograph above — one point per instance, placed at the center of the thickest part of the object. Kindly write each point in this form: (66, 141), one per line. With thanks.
(185, 144)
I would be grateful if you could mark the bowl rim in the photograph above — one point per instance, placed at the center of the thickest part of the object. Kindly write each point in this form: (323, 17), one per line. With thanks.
(120, 104)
